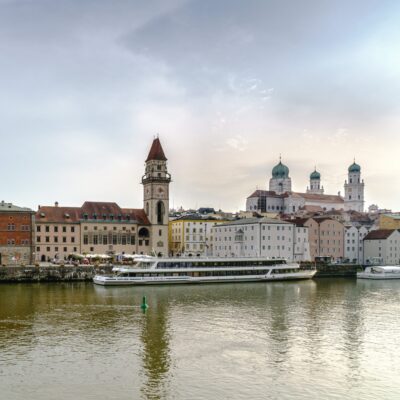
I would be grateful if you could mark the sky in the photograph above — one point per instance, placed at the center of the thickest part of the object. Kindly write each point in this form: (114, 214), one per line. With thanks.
(228, 85)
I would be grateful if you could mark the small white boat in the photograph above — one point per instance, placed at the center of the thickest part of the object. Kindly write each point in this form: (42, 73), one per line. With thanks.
(152, 271)
(380, 272)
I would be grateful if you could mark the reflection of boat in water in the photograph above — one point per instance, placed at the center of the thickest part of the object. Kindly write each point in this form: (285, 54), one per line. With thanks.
(151, 270)
(380, 272)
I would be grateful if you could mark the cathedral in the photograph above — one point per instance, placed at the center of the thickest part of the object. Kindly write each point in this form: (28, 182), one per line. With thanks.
(280, 197)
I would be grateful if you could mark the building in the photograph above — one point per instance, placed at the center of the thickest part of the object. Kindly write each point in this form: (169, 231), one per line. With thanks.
(261, 237)
(16, 234)
(107, 228)
(58, 232)
(192, 235)
(354, 189)
(382, 247)
(281, 198)
(326, 237)
(389, 221)
(354, 243)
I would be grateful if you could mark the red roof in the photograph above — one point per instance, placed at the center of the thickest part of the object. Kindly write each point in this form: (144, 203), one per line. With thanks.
(137, 214)
(379, 234)
(260, 193)
(156, 151)
(58, 214)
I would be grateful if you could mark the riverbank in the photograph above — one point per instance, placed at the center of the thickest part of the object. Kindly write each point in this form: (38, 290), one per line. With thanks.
(82, 273)
(52, 273)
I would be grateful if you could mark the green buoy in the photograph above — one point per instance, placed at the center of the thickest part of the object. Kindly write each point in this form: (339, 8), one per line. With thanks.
(144, 306)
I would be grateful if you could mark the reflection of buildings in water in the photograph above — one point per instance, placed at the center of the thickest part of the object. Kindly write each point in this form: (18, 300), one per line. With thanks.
(156, 357)
(285, 305)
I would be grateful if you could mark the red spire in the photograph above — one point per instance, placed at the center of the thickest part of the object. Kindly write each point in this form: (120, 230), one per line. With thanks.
(156, 151)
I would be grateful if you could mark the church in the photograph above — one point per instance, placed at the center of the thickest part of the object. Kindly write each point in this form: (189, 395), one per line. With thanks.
(280, 197)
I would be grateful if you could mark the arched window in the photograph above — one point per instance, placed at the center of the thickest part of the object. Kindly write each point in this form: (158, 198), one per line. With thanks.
(147, 209)
(160, 213)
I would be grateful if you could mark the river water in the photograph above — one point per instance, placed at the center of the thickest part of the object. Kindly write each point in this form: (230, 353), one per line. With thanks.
(323, 339)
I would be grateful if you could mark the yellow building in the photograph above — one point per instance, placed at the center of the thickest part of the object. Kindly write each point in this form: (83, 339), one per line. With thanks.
(191, 236)
(389, 221)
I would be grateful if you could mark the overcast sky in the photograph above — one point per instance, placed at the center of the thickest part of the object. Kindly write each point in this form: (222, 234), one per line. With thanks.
(227, 84)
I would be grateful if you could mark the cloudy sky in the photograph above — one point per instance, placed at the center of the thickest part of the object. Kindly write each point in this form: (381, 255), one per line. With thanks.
(227, 84)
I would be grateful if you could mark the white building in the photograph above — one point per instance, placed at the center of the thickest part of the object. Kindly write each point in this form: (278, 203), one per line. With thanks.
(280, 198)
(353, 243)
(382, 247)
(261, 237)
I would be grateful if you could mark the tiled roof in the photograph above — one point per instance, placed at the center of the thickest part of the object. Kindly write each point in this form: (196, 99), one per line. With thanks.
(91, 210)
(320, 197)
(156, 151)
(297, 221)
(261, 193)
(58, 214)
(245, 221)
(379, 234)
(99, 209)
(136, 214)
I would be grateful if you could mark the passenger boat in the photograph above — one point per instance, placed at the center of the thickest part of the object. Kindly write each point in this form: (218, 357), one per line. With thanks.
(380, 272)
(152, 270)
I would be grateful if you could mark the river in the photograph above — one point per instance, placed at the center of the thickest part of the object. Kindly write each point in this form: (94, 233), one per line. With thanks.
(322, 339)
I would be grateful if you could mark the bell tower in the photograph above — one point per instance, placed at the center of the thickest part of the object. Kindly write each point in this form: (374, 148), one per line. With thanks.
(354, 189)
(156, 182)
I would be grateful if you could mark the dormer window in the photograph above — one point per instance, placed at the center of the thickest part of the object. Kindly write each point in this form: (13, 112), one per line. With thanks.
(94, 216)
(128, 217)
(104, 216)
(111, 217)
(119, 217)
(42, 215)
(85, 216)
(66, 215)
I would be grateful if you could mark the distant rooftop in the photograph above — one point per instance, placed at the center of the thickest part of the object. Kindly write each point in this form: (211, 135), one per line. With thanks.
(9, 207)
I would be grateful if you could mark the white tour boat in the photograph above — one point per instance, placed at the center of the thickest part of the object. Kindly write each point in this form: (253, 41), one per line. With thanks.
(151, 270)
(380, 272)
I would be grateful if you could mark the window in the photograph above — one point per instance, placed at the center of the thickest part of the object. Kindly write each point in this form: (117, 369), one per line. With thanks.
(64, 229)
(56, 229)
(47, 229)
(38, 239)
(64, 239)
(72, 229)
(85, 239)
(38, 228)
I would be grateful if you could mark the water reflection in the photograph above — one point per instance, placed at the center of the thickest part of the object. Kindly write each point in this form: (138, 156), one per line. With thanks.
(155, 352)
(298, 339)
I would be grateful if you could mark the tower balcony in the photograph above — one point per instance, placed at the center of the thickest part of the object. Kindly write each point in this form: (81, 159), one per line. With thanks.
(153, 178)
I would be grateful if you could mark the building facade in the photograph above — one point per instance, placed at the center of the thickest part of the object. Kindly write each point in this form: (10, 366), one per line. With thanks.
(16, 234)
(261, 237)
(107, 228)
(192, 236)
(354, 243)
(382, 247)
(326, 237)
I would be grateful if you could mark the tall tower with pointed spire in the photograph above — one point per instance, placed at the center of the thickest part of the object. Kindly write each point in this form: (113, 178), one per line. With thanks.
(156, 182)
(354, 189)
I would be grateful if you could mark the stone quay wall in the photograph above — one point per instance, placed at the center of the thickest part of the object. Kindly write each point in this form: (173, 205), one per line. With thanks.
(56, 273)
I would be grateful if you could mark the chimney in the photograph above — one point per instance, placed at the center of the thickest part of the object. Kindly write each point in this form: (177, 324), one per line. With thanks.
(39, 207)
(56, 204)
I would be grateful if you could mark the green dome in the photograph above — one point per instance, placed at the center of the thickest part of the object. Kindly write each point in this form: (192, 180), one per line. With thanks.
(280, 171)
(315, 175)
(354, 167)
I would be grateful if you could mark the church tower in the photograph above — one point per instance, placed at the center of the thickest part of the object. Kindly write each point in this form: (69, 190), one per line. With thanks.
(315, 183)
(156, 182)
(280, 182)
(354, 189)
